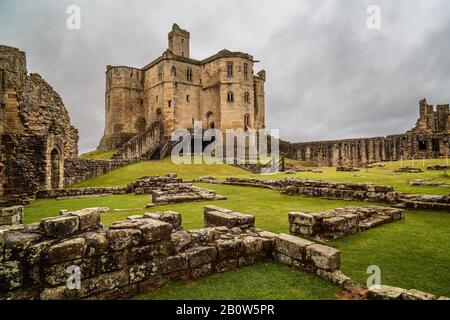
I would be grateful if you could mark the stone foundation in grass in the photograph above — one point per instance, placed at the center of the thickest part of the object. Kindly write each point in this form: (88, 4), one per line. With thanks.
(11, 215)
(216, 216)
(139, 254)
(338, 223)
(382, 292)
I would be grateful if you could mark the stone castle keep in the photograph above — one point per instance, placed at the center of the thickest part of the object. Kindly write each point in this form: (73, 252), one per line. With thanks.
(428, 139)
(175, 90)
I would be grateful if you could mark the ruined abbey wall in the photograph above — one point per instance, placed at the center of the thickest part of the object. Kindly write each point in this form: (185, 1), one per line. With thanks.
(35, 133)
(220, 91)
(428, 139)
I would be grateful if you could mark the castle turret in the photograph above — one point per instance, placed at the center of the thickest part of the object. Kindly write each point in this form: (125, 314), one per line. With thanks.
(179, 41)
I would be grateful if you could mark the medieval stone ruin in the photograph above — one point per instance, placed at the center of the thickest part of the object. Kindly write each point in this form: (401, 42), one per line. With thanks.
(428, 139)
(146, 251)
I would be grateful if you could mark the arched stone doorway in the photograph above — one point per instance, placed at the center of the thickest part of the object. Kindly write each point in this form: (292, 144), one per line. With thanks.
(55, 169)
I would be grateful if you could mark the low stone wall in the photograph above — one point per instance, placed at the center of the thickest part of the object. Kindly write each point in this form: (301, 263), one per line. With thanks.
(135, 255)
(78, 170)
(338, 223)
(182, 192)
(345, 191)
(216, 216)
(306, 255)
(148, 184)
(138, 254)
(11, 215)
(82, 192)
(425, 202)
(382, 292)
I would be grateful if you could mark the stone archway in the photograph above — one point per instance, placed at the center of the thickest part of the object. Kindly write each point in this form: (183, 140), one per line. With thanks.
(55, 169)
(210, 124)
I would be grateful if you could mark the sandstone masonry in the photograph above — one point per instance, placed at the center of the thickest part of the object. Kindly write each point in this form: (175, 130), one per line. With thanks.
(173, 91)
(428, 139)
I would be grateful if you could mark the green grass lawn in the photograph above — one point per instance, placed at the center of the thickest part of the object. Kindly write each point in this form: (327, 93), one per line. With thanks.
(261, 281)
(413, 253)
(128, 174)
(383, 176)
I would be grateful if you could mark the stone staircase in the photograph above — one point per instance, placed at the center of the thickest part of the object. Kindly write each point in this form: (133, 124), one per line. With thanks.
(143, 145)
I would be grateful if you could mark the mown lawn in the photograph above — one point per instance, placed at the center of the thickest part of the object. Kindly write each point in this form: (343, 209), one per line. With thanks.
(383, 176)
(413, 253)
(261, 281)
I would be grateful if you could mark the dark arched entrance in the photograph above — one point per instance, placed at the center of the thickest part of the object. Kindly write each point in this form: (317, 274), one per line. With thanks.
(55, 170)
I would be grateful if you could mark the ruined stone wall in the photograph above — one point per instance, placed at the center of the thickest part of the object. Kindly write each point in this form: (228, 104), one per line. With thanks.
(131, 256)
(140, 254)
(338, 223)
(78, 170)
(36, 134)
(428, 139)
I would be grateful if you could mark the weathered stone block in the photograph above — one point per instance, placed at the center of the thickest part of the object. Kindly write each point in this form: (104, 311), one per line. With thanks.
(11, 275)
(253, 245)
(89, 218)
(60, 227)
(110, 262)
(382, 292)
(302, 218)
(120, 239)
(227, 219)
(59, 273)
(226, 265)
(282, 258)
(96, 242)
(66, 250)
(201, 271)
(413, 294)
(324, 257)
(155, 230)
(140, 272)
(228, 249)
(201, 255)
(292, 246)
(174, 263)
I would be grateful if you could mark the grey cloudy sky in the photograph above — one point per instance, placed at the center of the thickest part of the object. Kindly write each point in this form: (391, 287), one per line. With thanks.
(328, 76)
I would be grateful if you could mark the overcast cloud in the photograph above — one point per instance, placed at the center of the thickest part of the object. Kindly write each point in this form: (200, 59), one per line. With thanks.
(328, 76)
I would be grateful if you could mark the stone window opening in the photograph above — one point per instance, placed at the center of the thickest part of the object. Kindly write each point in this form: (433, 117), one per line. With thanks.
(158, 112)
(246, 122)
(247, 97)
(245, 70)
(187, 98)
(230, 96)
(160, 73)
(142, 102)
(229, 69)
(156, 98)
(169, 103)
(422, 145)
(189, 74)
(173, 72)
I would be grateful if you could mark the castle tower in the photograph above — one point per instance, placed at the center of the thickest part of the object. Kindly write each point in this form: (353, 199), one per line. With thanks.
(179, 41)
